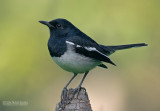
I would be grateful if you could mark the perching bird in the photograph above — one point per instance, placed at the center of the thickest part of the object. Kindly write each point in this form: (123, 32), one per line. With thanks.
(76, 52)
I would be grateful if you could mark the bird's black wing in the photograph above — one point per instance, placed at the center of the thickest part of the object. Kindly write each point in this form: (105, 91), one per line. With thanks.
(88, 48)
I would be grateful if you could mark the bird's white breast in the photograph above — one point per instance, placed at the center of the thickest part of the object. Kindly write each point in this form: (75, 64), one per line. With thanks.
(74, 62)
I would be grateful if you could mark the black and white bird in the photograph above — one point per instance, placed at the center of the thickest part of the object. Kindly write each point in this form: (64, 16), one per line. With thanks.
(76, 52)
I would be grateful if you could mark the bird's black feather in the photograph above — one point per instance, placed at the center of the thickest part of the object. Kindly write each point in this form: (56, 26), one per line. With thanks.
(103, 66)
(56, 47)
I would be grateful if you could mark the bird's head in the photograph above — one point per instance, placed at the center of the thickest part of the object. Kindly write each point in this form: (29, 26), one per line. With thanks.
(59, 27)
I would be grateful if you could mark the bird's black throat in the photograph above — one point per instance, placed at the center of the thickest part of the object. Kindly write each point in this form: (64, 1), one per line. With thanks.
(56, 46)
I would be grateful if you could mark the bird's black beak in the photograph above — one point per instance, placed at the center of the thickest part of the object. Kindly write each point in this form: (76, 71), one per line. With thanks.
(46, 23)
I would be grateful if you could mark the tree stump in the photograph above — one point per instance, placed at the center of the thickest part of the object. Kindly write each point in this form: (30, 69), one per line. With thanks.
(74, 101)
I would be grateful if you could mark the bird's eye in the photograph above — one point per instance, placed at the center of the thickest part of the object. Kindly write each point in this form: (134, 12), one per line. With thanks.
(58, 26)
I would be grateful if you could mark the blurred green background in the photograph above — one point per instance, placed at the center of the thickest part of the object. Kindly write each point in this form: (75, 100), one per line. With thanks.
(28, 74)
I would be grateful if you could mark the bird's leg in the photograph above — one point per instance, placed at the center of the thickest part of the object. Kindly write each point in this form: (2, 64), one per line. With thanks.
(79, 86)
(83, 79)
(65, 88)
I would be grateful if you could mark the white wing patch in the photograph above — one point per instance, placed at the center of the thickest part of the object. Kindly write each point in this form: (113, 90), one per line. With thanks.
(94, 49)
(78, 46)
(71, 43)
(91, 48)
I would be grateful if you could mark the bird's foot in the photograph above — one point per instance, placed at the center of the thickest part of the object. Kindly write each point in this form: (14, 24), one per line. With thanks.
(64, 94)
(77, 91)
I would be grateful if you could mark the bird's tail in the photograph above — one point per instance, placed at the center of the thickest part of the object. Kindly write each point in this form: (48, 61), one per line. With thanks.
(111, 49)
(121, 47)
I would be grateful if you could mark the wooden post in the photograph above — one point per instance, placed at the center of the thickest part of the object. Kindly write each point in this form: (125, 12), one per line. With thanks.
(74, 101)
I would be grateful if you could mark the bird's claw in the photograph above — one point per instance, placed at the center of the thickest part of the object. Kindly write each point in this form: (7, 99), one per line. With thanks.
(77, 91)
(64, 93)
(75, 94)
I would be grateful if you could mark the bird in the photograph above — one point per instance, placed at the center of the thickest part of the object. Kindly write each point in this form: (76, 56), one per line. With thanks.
(76, 52)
